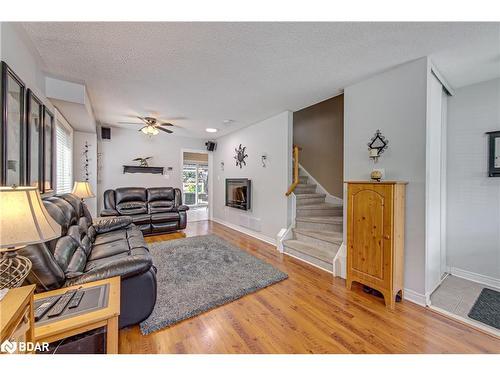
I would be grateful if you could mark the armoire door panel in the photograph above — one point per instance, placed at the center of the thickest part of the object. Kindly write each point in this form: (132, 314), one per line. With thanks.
(367, 239)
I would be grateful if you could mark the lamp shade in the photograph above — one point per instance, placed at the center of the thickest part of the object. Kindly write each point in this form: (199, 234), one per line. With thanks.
(82, 190)
(24, 219)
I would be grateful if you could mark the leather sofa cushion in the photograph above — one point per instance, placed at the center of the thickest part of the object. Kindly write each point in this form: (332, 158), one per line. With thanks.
(141, 219)
(109, 249)
(160, 206)
(125, 265)
(164, 226)
(70, 257)
(130, 194)
(161, 194)
(110, 237)
(132, 208)
(109, 224)
(164, 216)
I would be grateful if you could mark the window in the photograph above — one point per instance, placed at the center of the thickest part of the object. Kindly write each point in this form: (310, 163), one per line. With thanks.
(64, 154)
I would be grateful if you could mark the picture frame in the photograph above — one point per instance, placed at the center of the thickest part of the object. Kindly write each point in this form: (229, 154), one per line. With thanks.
(48, 147)
(34, 140)
(494, 153)
(12, 128)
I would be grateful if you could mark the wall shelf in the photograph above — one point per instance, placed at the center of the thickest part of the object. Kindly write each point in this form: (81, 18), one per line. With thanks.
(137, 169)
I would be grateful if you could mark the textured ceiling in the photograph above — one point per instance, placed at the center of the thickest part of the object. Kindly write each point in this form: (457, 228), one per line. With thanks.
(198, 74)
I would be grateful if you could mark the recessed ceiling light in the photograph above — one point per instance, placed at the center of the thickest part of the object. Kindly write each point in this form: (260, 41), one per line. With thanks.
(227, 122)
(211, 130)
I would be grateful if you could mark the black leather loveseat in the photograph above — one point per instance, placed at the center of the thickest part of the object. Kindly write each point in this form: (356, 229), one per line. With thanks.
(154, 210)
(88, 251)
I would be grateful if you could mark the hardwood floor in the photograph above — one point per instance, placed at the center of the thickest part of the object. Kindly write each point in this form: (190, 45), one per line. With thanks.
(310, 312)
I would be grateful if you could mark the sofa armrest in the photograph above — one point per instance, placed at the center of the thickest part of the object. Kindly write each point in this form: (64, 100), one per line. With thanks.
(183, 207)
(109, 212)
(135, 264)
(108, 224)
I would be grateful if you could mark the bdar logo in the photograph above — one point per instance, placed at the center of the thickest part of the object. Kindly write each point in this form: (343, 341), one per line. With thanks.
(8, 347)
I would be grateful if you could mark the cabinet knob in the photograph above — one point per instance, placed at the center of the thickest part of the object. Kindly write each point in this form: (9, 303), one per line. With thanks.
(387, 237)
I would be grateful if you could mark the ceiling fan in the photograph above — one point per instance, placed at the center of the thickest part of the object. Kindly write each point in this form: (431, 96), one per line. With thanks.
(151, 126)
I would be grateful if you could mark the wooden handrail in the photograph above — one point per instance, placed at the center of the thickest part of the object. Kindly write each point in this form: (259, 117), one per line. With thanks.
(295, 170)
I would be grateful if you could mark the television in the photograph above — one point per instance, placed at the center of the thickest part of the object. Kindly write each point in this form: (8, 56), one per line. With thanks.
(238, 193)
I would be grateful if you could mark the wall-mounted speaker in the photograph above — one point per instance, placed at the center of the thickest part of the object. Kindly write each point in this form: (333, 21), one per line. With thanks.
(105, 134)
(211, 145)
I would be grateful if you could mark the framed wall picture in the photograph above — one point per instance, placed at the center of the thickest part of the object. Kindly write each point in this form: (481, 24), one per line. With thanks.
(48, 151)
(494, 154)
(12, 128)
(34, 140)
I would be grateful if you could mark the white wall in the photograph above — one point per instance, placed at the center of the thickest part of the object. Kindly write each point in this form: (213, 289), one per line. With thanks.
(269, 212)
(126, 145)
(79, 139)
(473, 206)
(394, 102)
(18, 52)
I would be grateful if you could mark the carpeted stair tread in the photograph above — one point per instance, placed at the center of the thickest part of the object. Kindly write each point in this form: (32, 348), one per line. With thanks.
(323, 254)
(322, 219)
(320, 206)
(324, 235)
(309, 195)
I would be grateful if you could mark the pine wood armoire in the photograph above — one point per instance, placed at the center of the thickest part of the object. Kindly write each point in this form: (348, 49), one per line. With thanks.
(375, 236)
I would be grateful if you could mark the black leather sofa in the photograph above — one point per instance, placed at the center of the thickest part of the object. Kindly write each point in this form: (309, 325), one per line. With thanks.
(153, 210)
(88, 251)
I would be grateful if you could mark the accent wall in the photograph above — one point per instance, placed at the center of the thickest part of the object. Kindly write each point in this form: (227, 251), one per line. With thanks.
(270, 207)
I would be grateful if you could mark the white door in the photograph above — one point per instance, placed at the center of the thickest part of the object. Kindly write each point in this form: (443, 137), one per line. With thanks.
(435, 185)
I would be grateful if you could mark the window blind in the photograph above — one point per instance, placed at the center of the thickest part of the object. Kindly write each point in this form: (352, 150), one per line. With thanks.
(64, 162)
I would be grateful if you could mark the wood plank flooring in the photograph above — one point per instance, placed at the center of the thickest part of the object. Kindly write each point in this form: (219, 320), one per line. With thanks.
(310, 312)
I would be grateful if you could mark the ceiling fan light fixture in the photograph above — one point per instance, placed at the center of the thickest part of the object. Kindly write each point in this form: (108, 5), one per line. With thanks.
(150, 130)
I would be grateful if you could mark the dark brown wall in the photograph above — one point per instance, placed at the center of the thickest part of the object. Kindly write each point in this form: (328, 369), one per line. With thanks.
(319, 130)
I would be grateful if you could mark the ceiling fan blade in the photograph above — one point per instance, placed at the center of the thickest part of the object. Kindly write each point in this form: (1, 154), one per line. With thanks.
(164, 130)
(129, 123)
(143, 120)
(142, 128)
(166, 124)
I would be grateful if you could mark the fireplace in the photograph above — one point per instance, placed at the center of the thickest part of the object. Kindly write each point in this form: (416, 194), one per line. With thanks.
(238, 193)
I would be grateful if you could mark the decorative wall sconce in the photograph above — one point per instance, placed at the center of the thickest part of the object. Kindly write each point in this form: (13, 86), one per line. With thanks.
(377, 145)
(264, 160)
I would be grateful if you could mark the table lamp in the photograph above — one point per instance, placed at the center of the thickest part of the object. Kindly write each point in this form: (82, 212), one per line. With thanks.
(23, 221)
(82, 190)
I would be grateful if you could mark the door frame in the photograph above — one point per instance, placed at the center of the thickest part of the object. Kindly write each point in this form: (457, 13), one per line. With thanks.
(210, 174)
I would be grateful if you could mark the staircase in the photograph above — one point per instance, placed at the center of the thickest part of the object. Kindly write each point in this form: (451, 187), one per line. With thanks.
(317, 235)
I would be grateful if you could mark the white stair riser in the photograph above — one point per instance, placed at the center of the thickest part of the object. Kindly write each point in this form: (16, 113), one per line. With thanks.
(324, 265)
(309, 201)
(318, 242)
(301, 212)
(337, 227)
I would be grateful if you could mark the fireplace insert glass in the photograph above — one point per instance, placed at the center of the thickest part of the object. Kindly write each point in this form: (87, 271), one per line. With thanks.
(238, 193)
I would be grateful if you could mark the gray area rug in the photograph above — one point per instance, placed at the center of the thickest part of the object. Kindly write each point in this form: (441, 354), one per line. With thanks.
(487, 308)
(197, 274)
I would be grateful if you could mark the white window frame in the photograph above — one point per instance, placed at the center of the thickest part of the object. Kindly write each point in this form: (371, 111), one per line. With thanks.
(61, 122)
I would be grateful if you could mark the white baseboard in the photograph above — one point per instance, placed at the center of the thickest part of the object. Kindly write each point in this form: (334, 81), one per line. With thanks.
(415, 297)
(340, 262)
(472, 276)
(283, 235)
(246, 231)
(471, 322)
(320, 189)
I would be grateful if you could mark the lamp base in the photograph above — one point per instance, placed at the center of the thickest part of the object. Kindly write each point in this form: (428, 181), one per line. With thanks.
(13, 269)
